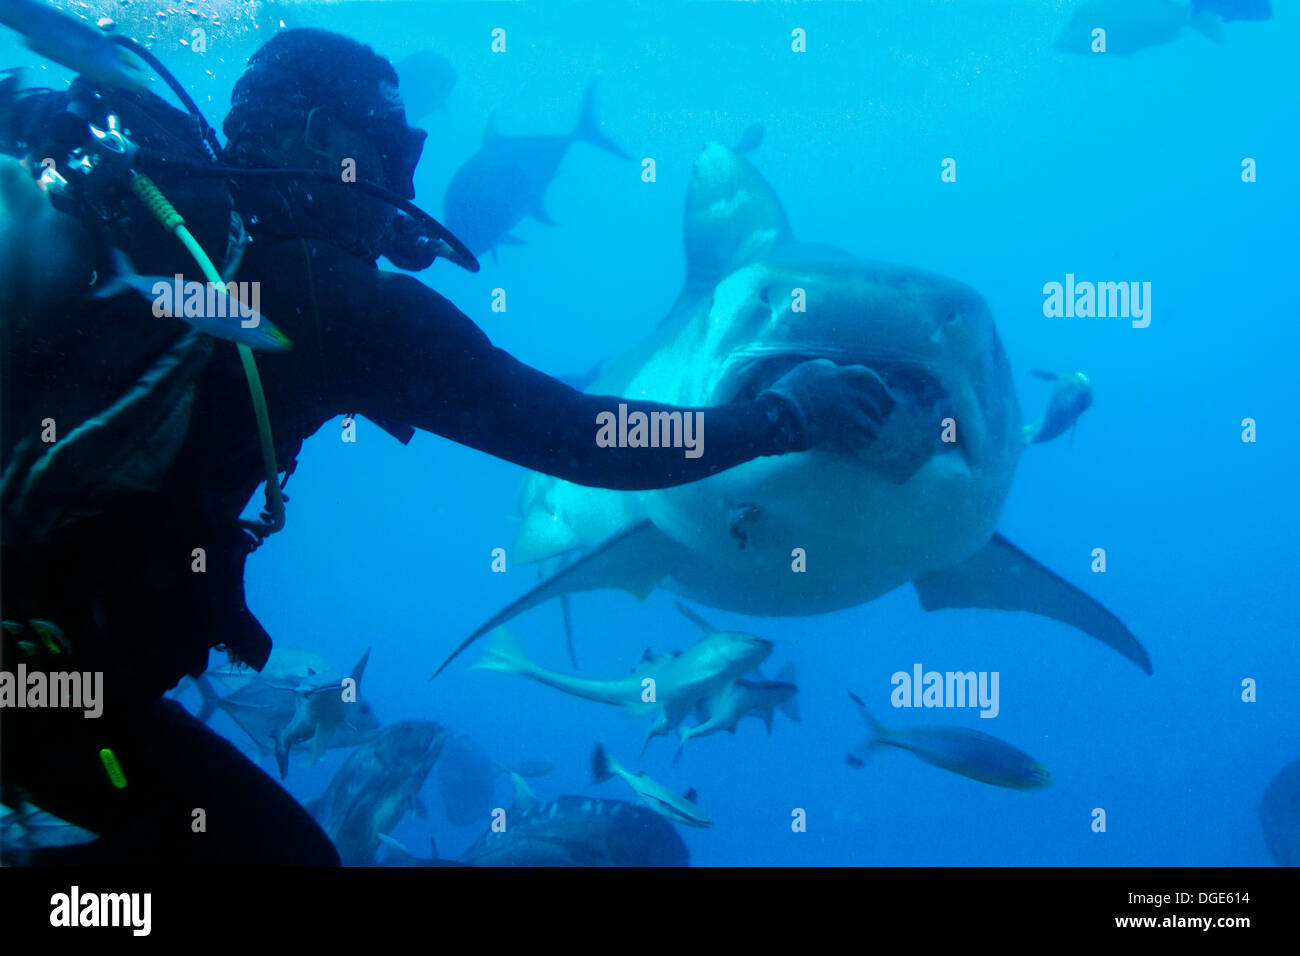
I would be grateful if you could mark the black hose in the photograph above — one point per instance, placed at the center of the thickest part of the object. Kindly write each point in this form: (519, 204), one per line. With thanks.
(462, 256)
(205, 128)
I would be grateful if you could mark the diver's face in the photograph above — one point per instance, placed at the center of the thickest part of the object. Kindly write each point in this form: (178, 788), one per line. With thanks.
(342, 147)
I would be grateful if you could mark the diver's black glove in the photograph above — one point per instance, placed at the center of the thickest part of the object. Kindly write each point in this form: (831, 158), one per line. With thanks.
(842, 405)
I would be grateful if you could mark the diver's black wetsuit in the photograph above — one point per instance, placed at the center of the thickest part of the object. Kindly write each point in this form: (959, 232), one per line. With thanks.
(122, 588)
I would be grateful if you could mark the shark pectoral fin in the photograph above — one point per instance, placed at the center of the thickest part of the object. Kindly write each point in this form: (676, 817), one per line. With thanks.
(635, 560)
(543, 217)
(1002, 577)
(509, 240)
(418, 807)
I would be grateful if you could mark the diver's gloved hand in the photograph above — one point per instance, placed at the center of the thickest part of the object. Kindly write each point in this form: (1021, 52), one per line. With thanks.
(841, 405)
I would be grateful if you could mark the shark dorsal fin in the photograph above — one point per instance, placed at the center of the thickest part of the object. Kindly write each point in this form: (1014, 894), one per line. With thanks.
(732, 215)
(360, 668)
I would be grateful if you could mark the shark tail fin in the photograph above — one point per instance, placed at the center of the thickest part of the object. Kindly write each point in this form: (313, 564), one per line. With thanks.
(602, 768)
(588, 127)
(211, 702)
(504, 653)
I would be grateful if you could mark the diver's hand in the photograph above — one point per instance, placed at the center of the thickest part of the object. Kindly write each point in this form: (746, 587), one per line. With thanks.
(841, 405)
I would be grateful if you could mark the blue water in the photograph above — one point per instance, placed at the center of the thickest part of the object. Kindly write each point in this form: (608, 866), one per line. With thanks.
(1107, 167)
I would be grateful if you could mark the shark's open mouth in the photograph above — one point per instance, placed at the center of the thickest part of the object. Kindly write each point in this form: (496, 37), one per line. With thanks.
(912, 432)
(910, 384)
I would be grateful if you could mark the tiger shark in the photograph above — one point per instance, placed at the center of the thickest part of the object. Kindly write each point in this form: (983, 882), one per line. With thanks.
(825, 529)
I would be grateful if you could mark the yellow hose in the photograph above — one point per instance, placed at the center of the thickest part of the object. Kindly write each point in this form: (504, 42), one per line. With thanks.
(171, 220)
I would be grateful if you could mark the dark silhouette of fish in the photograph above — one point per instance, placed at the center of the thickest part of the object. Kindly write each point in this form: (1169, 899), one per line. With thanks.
(1279, 815)
(425, 79)
(375, 788)
(1235, 9)
(507, 179)
(580, 831)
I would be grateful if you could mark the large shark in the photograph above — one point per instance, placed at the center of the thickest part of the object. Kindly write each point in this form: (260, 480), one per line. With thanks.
(908, 507)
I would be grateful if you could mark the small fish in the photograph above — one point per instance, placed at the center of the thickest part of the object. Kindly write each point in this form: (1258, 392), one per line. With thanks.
(678, 809)
(506, 180)
(29, 828)
(1133, 25)
(74, 44)
(1235, 9)
(1070, 399)
(967, 752)
(321, 714)
(745, 698)
(680, 681)
(750, 139)
(228, 313)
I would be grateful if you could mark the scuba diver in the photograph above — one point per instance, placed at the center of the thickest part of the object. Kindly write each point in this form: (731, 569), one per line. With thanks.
(131, 446)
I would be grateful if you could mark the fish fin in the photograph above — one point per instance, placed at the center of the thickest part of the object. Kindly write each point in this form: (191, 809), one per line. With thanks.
(853, 760)
(602, 768)
(767, 720)
(678, 755)
(690, 615)
(360, 668)
(1045, 376)
(317, 746)
(876, 726)
(588, 127)
(691, 796)
(282, 755)
(211, 702)
(1002, 577)
(508, 240)
(790, 707)
(1208, 25)
(504, 653)
(543, 217)
(566, 611)
(399, 850)
(634, 560)
(524, 796)
(418, 807)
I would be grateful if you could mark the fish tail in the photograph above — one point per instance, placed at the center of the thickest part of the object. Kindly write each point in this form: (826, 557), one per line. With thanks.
(602, 768)
(878, 729)
(211, 702)
(790, 706)
(504, 653)
(588, 127)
